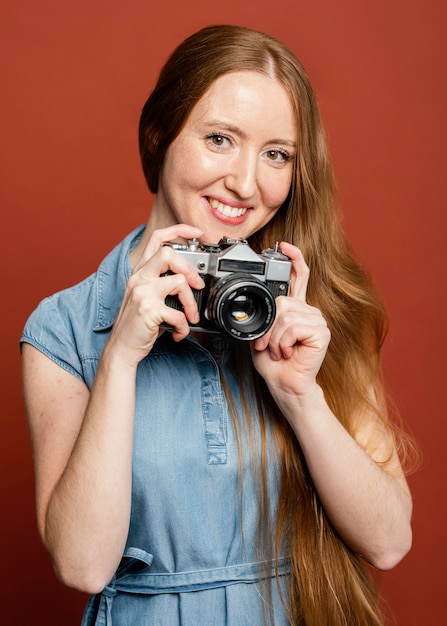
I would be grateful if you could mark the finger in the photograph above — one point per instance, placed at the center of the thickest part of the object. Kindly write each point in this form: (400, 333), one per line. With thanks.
(282, 303)
(187, 302)
(154, 292)
(166, 259)
(306, 326)
(300, 272)
(262, 342)
(292, 315)
(165, 235)
(177, 321)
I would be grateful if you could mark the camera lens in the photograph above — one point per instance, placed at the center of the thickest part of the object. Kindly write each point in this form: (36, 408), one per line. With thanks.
(242, 306)
(242, 309)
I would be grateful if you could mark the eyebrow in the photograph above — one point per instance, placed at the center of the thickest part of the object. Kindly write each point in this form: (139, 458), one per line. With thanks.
(238, 131)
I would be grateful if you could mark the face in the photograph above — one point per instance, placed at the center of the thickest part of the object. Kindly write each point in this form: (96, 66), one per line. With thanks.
(230, 168)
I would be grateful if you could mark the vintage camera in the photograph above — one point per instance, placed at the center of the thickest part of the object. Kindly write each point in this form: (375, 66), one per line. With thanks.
(240, 286)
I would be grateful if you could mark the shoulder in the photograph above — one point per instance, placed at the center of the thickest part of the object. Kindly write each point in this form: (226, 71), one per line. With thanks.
(71, 325)
(55, 326)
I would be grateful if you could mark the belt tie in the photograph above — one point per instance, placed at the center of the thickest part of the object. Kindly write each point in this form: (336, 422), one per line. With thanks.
(133, 576)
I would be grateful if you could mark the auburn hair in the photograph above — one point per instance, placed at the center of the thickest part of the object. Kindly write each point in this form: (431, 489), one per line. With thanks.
(329, 585)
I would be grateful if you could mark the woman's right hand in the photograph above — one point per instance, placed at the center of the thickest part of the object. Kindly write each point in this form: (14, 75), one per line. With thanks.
(83, 439)
(143, 308)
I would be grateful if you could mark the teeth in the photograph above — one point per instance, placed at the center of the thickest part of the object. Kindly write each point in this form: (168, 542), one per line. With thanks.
(226, 210)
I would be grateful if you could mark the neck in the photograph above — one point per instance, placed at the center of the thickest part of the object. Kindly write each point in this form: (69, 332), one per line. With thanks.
(155, 222)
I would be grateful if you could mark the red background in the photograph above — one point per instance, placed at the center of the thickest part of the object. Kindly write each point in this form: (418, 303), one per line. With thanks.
(74, 75)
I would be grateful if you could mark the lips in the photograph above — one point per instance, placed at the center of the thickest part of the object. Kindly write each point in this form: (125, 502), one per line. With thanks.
(226, 210)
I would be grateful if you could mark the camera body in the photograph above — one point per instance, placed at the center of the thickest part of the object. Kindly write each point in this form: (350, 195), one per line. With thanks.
(240, 286)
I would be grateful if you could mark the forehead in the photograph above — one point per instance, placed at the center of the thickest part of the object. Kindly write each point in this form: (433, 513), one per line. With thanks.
(250, 98)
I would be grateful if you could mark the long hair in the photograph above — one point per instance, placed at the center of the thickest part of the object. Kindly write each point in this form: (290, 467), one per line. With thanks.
(328, 583)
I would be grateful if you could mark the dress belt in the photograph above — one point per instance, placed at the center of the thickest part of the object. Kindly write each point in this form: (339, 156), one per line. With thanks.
(132, 577)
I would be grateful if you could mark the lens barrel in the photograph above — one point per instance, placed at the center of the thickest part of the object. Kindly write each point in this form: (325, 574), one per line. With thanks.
(241, 306)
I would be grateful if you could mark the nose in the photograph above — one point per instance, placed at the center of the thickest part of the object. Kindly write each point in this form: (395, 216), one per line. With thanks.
(242, 175)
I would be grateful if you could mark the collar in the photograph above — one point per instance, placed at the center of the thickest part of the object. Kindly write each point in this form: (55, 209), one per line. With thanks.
(111, 280)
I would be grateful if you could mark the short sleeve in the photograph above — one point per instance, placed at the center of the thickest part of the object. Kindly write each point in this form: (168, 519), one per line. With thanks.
(47, 330)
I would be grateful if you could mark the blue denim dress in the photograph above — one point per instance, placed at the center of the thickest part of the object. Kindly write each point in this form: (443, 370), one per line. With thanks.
(191, 556)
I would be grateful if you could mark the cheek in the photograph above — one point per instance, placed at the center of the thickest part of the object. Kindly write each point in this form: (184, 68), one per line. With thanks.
(178, 165)
(190, 170)
(276, 188)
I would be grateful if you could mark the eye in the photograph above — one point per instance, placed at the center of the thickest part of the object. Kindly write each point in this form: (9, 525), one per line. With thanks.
(217, 140)
(277, 156)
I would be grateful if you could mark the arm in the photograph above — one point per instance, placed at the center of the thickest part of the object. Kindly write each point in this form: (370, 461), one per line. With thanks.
(82, 441)
(369, 504)
(82, 451)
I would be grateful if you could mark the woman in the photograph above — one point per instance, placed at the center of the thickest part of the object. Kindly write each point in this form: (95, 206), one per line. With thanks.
(187, 478)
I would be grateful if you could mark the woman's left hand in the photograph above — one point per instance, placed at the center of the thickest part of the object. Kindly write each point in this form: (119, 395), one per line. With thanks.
(290, 354)
(367, 501)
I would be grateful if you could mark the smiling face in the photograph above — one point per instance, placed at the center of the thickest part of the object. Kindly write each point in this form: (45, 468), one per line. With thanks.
(230, 168)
